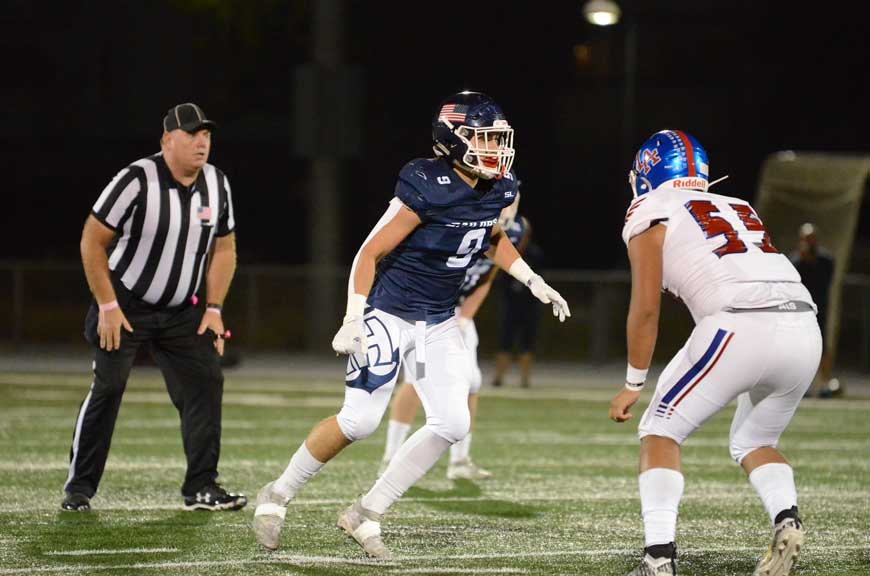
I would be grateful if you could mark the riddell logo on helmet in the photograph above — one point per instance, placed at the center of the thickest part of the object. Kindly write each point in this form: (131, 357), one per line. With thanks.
(689, 183)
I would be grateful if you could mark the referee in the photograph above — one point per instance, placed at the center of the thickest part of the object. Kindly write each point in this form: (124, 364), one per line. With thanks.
(161, 225)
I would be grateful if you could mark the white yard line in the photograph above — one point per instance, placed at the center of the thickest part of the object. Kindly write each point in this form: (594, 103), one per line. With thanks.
(701, 495)
(278, 559)
(110, 551)
(458, 571)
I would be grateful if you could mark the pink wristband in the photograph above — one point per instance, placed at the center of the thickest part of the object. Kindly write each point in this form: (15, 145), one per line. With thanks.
(108, 306)
(215, 310)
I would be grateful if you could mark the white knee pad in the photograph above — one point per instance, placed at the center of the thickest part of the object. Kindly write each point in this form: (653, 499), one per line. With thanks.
(357, 424)
(452, 427)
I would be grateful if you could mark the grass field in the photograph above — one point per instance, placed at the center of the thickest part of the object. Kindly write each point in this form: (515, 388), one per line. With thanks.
(563, 499)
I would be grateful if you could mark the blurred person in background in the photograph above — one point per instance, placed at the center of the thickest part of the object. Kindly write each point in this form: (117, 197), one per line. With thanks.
(474, 291)
(815, 264)
(517, 318)
(756, 339)
(162, 224)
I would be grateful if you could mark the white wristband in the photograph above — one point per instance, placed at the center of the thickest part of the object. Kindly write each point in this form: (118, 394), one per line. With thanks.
(635, 377)
(356, 305)
(521, 271)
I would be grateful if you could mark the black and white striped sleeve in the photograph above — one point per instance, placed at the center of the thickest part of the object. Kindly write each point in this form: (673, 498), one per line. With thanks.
(226, 219)
(116, 202)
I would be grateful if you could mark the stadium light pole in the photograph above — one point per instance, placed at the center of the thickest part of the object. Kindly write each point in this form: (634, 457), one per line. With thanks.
(608, 13)
(601, 12)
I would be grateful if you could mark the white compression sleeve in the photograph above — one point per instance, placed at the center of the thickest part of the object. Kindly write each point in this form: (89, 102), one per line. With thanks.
(774, 483)
(660, 492)
(301, 468)
(416, 456)
(392, 210)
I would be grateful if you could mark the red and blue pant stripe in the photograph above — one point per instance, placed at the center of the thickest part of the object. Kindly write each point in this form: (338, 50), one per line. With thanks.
(690, 379)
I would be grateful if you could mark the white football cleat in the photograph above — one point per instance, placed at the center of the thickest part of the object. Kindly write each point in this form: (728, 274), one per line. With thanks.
(782, 554)
(269, 517)
(364, 526)
(466, 469)
(654, 567)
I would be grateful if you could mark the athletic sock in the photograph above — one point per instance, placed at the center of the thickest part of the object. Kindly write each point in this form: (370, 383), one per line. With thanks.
(301, 468)
(660, 493)
(774, 484)
(459, 451)
(416, 456)
(396, 434)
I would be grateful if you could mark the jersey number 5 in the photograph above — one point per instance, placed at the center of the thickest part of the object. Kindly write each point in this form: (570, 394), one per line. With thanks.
(471, 243)
(703, 210)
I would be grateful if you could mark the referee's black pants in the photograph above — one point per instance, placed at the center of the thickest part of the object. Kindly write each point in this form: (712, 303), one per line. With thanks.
(193, 376)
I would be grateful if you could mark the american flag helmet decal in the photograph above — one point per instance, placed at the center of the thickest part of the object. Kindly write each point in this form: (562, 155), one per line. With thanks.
(454, 113)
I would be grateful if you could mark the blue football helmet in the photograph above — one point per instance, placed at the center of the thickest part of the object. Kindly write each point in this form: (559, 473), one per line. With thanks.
(671, 158)
(471, 130)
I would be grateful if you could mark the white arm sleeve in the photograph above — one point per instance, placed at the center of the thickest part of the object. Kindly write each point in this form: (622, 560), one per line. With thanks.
(355, 300)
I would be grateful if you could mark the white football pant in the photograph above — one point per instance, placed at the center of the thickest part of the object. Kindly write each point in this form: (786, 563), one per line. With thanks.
(436, 356)
(474, 376)
(765, 359)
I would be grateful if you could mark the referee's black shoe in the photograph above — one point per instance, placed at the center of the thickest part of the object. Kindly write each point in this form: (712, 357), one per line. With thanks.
(76, 502)
(214, 498)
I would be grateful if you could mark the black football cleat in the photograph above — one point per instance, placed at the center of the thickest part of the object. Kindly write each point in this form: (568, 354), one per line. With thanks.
(214, 498)
(76, 502)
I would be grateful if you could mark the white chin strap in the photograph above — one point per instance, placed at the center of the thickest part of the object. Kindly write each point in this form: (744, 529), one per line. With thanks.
(716, 181)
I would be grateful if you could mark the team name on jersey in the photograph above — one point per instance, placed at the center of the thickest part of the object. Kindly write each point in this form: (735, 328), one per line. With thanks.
(480, 224)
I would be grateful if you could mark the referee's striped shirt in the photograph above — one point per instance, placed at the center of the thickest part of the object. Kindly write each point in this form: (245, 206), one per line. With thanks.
(164, 231)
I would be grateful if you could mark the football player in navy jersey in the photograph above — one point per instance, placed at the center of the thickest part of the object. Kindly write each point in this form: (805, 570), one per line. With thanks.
(402, 294)
(475, 288)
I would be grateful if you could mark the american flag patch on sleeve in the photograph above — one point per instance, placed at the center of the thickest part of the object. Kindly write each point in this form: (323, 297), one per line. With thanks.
(204, 212)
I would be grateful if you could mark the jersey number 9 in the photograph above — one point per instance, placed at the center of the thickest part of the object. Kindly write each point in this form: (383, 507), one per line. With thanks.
(471, 243)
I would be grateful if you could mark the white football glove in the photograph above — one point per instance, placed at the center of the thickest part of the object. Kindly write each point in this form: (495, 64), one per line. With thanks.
(547, 295)
(351, 337)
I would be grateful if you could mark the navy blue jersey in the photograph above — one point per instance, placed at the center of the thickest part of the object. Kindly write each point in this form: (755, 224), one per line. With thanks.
(421, 277)
(480, 269)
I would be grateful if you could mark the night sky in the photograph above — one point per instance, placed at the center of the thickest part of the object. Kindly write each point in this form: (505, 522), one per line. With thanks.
(87, 84)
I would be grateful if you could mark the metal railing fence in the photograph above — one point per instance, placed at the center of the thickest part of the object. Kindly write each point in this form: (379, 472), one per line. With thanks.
(45, 303)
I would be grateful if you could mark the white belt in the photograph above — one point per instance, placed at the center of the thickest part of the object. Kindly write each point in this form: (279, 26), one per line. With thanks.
(420, 348)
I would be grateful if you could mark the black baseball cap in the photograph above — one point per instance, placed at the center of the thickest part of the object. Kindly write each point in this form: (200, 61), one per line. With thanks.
(188, 117)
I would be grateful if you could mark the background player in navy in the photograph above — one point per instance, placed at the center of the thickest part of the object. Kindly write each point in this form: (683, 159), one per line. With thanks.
(517, 315)
(402, 293)
(475, 288)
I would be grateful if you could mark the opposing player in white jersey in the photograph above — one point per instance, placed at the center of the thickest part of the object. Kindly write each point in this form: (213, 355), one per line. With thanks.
(756, 339)
(402, 295)
(473, 292)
